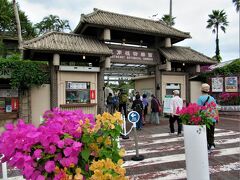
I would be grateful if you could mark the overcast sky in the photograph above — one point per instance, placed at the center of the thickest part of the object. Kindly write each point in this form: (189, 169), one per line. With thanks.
(191, 16)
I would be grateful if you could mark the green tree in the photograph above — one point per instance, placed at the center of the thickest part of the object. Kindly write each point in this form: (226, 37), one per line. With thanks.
(218, 19)
(168, 19)
(237, 4)
(8, 21)
(52, 23)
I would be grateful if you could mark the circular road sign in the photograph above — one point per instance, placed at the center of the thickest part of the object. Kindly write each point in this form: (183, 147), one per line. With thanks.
(133, 116)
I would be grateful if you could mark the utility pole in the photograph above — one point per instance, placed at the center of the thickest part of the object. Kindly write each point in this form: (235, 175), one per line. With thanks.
(19, 31)
(170, 12)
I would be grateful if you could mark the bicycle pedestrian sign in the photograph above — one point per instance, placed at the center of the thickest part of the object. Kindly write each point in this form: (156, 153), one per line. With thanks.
(133, 117)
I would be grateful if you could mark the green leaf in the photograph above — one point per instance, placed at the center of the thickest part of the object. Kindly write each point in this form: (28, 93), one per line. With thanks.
(85, 154)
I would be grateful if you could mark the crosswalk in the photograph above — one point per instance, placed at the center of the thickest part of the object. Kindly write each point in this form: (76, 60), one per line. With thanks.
(164, 156)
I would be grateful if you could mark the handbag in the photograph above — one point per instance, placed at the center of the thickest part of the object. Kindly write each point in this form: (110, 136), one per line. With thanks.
(160, 108)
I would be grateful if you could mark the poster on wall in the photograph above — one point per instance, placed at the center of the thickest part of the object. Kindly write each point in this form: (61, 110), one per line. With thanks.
(217, 84)
(231, 84)
(166, 105)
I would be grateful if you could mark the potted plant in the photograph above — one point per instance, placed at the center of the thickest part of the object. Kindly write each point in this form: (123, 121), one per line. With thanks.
(195, 119)
(68, 145)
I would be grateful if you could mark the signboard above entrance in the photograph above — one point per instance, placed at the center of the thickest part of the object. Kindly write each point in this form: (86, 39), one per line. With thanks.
(133, 54)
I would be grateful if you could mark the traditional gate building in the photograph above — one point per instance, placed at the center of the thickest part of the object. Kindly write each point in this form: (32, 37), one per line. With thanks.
(106, 45)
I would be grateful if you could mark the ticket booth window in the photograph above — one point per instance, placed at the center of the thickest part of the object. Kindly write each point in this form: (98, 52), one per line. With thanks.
(8, 100)
(77, 92)
(171, 87)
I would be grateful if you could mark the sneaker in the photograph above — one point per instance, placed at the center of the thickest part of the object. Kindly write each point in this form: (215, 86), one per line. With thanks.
(212, 147)
(179, 135)
(209, 151)
(171, 134)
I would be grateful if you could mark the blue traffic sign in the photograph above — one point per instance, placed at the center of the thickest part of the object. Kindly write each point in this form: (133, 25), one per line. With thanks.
(133, 116)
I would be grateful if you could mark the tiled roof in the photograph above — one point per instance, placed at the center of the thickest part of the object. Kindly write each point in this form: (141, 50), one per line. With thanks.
(125, 22)
(185, 54)
(67, 42)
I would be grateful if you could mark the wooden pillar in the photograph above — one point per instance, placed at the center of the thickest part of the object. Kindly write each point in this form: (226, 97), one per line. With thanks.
(187, 88)
(157, 82)
(53, 80)
(198, 69)
(100, 89)
(167, 42)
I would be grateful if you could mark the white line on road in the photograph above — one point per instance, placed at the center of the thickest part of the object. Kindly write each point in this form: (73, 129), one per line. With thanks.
(169, 148)
(181, 173)
(176, 157)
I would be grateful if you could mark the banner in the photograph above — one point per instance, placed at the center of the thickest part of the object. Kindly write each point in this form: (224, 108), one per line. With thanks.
(217, 84)
(231, 84)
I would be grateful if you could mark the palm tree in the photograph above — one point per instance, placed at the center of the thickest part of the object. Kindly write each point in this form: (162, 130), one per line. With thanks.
(237, 4)
(168, 19)
(52, 23)
(218, 19)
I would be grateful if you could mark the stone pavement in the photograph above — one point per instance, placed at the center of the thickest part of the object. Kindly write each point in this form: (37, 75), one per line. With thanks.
(165, 156)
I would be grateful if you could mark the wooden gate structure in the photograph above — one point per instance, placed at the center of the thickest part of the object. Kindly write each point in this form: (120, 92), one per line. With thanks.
(105, 45)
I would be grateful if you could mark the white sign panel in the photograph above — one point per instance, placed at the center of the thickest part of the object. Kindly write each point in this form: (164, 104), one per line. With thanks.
(8, 93)
(166, 105)
(76, 85)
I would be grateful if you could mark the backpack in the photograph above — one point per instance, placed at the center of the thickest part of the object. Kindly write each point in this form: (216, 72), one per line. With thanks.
(138, 107)
(109, 100)
(115, 100)
(123, 98)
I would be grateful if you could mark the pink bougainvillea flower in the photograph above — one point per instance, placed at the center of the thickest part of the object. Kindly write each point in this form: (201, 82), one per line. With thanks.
(50, 166)
(37, 153)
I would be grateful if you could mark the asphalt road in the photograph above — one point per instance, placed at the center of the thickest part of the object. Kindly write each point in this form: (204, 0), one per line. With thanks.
(164, 155)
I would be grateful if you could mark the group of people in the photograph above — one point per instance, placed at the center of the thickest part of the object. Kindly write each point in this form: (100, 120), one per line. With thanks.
(141, 104)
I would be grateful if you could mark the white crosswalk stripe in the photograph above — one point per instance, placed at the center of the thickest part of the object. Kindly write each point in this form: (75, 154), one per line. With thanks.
(155, 147)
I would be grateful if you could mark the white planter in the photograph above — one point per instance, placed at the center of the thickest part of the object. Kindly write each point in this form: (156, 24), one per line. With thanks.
(195, 142)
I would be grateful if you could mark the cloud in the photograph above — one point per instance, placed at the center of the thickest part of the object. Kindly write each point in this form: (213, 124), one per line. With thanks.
(191, 16)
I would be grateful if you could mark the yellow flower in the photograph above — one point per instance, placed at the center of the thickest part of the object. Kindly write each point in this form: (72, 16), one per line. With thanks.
(109, 164)
(78, 171)
(112, 126)
(81, 122)
(120, 162)
(100, 139)
(108, 141)
(78, 177)
(107, 176)
(121, 152)
(121, 171)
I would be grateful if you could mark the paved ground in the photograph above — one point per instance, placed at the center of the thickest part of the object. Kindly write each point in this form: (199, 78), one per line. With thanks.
(165, 156)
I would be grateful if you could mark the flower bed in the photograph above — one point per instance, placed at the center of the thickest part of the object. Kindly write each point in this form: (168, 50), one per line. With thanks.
(68, 145)
(229, 99)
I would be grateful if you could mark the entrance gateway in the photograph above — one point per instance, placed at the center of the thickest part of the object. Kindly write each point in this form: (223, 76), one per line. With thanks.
(105, 46)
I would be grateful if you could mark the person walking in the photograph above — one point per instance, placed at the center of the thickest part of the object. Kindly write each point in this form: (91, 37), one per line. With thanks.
(123, 102)
(175, 103)
(155, 106)
(145, 107)
(138, 106)
(202, 101)
(110, 103)
(115, 102)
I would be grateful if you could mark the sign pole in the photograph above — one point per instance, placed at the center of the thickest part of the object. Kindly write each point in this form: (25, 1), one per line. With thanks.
(134, 117)
(124, 135)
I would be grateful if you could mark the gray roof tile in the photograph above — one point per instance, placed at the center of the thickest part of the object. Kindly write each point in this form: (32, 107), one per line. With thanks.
(67, 42)
(125, 22)
(185, 54)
